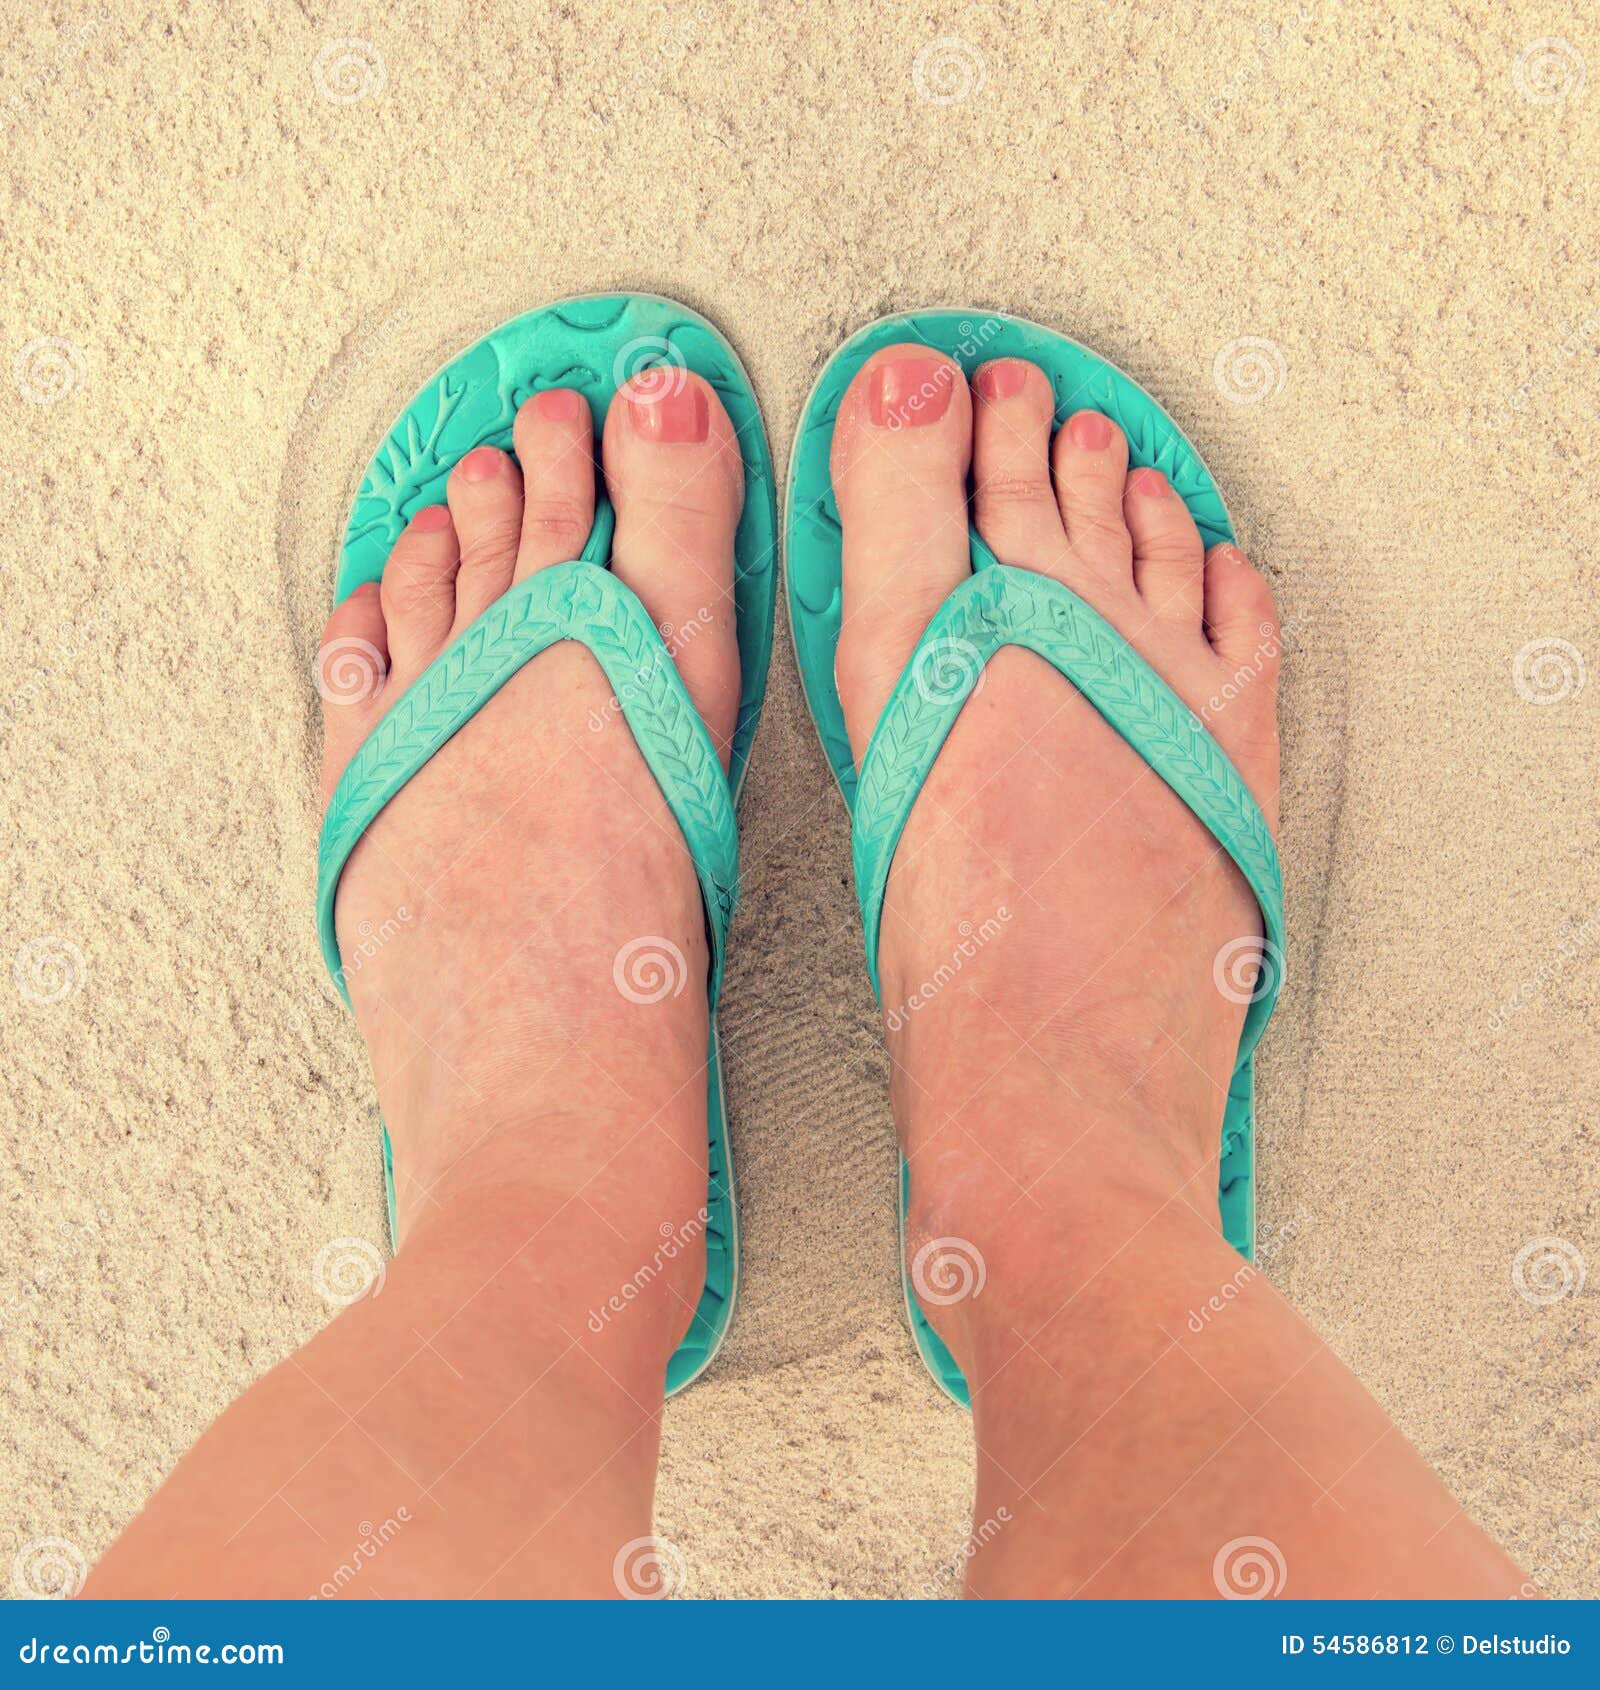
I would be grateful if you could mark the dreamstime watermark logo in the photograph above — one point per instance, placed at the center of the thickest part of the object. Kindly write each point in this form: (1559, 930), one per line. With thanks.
(1547, 1270)
(349, 70)
(48, 970)
(1274, 637)
(72, 641)
(972, 940)
(48, 1569)
(1575, 1537)
(1548, 71)
(1249, 370)
(370, 938)
(350, 364)
(674, 36)
(1573, 941)
(648, 1569)
(1231, 1290)
(346, 1270)
(1245, 970)
(947, 668)
(973, 337)
(649, 969)
(74, 38)
(1548, 671)
(1575, 339)
(977, 1538)
(946, 1271)
(651, 368)
(1271, 37)
(1249, 1569)
(373, 1540)
(675, 1239)
(66, 1247)
(948, 71)
(48, 369)
(349, 671)
(676, 638)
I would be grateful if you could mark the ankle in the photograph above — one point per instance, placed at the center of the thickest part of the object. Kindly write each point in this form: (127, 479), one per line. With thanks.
(1031, 1145)
(1019, 1204)
(609, 1256)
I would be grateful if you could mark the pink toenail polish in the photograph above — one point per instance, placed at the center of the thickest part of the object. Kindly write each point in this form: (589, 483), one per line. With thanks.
(365, 590)
(1149, 483)
(1003, 379)
(560, 404)
(481, 463)
(431, 518)
(1089, 431)
(911, 392)
(674, 416)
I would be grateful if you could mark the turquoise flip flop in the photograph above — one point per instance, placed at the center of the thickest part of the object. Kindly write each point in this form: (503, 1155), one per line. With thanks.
(593, 344)
(1000, 606)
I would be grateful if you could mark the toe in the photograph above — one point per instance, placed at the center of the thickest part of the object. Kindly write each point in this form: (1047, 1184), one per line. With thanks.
(1168, 554)
(554, 437)
(901, 445)
(1241, 619)
(1241, 623)
(1090, 460)
(485, 494)
(676, 478)
(1014, 504)
(419, 588)
(352, 665)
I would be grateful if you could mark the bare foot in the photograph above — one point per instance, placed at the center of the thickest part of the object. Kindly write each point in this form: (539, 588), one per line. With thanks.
(486, 916)
(1038, 824)
(1060, 1093)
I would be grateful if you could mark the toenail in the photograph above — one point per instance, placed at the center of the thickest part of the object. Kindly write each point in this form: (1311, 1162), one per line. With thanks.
(431, 518)
(560, 404)
(911, 392)
(1150, 483)
(675, 416)
(1003, 379)
(365, 588)
(481, 463)
(1090, 431)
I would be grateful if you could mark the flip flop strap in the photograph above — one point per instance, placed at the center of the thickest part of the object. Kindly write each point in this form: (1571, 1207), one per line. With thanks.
(1000, 606)
(579, 601)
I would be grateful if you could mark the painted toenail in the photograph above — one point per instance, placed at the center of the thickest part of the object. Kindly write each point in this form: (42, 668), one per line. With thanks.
(481, 463)
(364, 589)
(1002, 380)
(560, 404)
(1090, 431)
(676, 416)
(1149, 483)
(911, 392)
(431, 518)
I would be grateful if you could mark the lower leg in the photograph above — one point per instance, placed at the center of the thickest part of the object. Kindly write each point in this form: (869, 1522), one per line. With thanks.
(1153, 1419)
(465, 1431)
(486, 1423)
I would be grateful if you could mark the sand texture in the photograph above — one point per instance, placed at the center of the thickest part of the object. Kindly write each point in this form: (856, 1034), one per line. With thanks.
(1352, 248)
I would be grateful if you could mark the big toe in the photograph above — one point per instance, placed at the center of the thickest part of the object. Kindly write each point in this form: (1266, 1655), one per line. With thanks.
(676, 480)
(901, 446)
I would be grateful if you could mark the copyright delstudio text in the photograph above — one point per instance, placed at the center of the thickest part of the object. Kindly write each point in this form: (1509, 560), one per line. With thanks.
(1419, 1643)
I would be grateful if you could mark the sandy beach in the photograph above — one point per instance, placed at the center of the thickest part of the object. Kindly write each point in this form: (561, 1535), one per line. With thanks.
(1353, 253)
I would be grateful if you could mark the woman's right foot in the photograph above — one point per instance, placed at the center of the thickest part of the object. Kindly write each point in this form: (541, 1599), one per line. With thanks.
(1100, 903)
(1066, 956)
